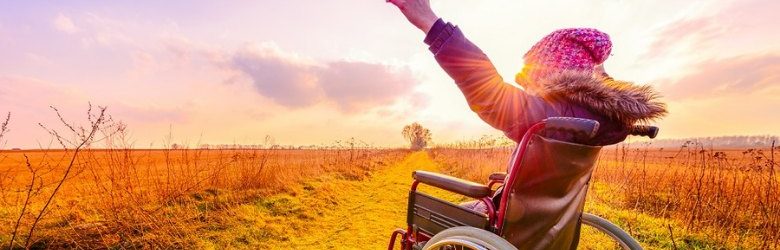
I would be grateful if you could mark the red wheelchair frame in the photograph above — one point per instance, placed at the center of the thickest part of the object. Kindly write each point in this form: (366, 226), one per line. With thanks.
(495, 216)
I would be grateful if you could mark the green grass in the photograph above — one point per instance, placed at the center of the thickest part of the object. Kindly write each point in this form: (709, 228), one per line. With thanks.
(654, 232)
(337, 213)
(333, 211)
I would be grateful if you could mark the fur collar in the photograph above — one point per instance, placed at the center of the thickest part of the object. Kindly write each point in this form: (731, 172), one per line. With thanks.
(618, 100)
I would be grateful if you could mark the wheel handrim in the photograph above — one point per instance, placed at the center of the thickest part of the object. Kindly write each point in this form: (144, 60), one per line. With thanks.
(612, 231)
(456, 244)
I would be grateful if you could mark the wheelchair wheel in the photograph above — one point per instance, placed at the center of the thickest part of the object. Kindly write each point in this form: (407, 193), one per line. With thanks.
(621, 239)
(457, 238)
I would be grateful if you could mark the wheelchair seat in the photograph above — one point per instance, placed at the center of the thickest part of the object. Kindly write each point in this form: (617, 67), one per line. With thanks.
(476, 206)
(546, 200)
(548, 196)
(539, 206)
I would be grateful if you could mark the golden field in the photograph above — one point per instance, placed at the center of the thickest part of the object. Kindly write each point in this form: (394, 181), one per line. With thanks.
(689, 197)
(156, 198)
(352, 198)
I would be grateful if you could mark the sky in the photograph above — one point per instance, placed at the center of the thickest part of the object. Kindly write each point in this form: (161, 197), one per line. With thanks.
(311, 72)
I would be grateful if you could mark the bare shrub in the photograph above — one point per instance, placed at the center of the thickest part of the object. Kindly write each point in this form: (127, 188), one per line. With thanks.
(4, 125)
(110, 195)
(79, 138)
(729, 194)
(733, 191)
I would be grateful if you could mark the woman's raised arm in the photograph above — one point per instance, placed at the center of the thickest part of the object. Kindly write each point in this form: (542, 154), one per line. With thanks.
(501, 105)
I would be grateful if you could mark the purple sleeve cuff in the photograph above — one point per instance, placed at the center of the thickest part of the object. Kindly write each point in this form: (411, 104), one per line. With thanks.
(440, 32)
(434, 32)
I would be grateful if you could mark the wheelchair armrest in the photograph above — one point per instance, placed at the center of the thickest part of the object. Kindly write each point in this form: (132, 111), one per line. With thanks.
(497, 176)
(452, 184)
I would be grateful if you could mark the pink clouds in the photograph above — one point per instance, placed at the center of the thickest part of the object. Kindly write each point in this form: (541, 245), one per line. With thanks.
(27, 92)
(355, 85)
(716, 55)
(28, 99)
(697, 31)
(295, 82)
(150, 114)
(29, 96)
(64, 24)
(277, 76)
(729, 31)
(742, 75)
(155, 64)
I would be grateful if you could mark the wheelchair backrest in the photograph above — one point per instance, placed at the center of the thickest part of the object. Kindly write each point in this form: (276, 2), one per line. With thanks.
(546, 200)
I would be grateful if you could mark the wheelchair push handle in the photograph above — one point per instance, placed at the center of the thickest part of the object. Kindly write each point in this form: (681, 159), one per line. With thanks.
(581, 127)
(644, 130)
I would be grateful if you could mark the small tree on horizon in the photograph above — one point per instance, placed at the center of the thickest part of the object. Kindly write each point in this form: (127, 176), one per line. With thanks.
(417, 135)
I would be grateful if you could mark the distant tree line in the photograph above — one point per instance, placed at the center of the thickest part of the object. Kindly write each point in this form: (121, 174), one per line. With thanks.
(486, 141)
(737, 141)
(242, 146)
(351, 143)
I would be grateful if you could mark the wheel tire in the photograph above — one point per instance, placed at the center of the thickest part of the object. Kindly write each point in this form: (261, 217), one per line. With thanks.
(621, 237)
(471, 235)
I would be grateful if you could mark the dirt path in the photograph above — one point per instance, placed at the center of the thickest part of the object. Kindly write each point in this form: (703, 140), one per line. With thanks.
(334, 213)
(354, 214)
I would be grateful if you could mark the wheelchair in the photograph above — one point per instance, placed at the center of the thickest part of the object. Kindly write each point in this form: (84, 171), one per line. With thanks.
(538, 204)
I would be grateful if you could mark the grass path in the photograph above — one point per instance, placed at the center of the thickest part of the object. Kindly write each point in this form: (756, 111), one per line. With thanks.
(330, 212)
(343, 214)
(335, 213)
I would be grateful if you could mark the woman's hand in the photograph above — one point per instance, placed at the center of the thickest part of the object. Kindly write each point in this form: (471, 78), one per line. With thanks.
(418, 12)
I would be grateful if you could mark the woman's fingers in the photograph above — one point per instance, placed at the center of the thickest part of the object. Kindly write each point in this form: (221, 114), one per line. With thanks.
(397, 3)
(418, 12)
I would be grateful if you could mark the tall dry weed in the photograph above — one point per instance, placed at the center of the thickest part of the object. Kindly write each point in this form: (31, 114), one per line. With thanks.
(111, 195)
(727, 193)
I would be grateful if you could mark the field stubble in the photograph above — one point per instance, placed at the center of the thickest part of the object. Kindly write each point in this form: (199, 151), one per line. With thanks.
(119, 197)
(688, 197)
(157, 198)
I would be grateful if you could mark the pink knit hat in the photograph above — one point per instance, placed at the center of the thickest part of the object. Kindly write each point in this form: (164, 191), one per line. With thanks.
(567, 49)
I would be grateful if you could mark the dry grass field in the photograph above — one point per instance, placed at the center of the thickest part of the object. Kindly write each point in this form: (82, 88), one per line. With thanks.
(689, 197)
(158, 198)
(350, 197)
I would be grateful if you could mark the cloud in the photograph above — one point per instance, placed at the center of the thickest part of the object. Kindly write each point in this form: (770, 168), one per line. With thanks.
(21, 91)
(39, 60)
(732, 76)
(27, 99)
(181, 48)
(353, 85)
(292, 81)
(107, 32)
(419, 100)
(64, 24)
(278, 76)
(685, 32)
(730, 30)
(148, 114)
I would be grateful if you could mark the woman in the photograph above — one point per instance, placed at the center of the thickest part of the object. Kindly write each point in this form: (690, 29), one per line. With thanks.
(563, 76)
